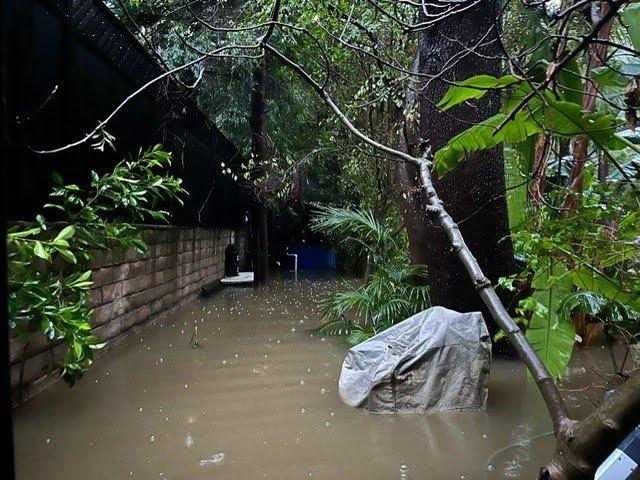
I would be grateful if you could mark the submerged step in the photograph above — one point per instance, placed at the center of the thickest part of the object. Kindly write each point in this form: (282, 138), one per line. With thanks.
(240, 279)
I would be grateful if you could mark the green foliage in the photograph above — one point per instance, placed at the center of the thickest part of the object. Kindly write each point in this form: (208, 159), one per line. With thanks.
(577, 261)
(583, 263)
(631, 19)
(306, 146)
(484, 136)
(49, 277)
(580, 259)
(473, 88)
(516, 124)
(391, 290)
(551, 334)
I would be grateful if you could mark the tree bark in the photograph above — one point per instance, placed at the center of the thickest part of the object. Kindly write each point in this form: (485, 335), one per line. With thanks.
(540, 161)
(586, 445)
(257, 120)
(597, 58)
(456, 48)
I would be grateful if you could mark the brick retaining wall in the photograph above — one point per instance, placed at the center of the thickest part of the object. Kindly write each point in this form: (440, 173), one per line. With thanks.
(131, 288)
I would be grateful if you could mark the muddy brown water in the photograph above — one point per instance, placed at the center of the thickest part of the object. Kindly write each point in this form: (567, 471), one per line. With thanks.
(258, 399)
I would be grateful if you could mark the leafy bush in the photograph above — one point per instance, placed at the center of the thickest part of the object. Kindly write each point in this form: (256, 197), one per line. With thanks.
(49, 278)
(392, 289)
(584, 263)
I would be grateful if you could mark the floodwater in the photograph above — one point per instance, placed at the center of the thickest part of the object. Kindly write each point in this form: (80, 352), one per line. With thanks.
(257, 399)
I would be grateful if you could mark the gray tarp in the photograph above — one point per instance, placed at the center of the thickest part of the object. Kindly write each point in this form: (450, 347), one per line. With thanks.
(438, 359)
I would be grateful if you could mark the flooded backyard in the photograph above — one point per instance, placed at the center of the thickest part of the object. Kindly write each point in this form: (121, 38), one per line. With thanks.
(258, 399)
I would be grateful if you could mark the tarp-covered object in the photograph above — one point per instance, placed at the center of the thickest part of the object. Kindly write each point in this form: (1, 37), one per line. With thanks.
(438, 359)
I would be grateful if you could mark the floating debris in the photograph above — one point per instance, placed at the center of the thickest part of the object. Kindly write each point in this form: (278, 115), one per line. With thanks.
(194, 337)
(215, 459)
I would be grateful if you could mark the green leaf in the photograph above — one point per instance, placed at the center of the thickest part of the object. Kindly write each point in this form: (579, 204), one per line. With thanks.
(551, 335)
(553, 340)
(23, 233)
(570, 82)
(630, 69)
(57, 179)
(567, 119)
(590, 281)
(68, 255)
(631, 19)
(485, 136)
(608, 77)
(66, 233)
(82, 281)
(77, 349)
(40, 251)
(473, 88)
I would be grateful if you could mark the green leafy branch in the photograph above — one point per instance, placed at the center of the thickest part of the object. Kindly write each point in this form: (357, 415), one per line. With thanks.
(49, 279)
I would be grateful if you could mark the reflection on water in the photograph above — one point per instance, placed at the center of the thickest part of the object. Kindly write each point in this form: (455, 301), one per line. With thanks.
(258, 399)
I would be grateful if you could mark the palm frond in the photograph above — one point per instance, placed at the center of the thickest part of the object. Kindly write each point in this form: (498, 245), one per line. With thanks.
(391, 292)
(351, 225)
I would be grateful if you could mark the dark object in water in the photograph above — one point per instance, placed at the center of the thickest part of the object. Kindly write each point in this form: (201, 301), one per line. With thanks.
(231, 260)
(211, 289)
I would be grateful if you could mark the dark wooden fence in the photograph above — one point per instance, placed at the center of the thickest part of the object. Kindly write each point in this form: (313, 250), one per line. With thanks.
(67, 64)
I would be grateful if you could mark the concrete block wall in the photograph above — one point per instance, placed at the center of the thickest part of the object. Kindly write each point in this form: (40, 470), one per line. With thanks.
(132, 288)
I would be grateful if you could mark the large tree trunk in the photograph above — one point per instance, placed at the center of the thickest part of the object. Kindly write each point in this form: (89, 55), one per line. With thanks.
(257, 121)
(474, 193)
